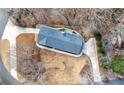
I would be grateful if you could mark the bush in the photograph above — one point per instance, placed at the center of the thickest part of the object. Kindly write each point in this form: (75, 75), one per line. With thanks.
(101, 50)
(18, 20)
(98, 38)
(97, 35)
(117, 65)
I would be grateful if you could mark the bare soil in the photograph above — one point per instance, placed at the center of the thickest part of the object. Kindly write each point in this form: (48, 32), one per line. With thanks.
(5, 53)
(40, 66)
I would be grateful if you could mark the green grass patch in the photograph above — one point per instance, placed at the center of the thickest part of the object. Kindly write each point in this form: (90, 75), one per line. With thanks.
(117, 65)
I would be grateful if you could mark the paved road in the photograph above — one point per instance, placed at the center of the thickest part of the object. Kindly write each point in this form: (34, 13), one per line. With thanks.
(3, 20)
(4, 74)
(114, 82)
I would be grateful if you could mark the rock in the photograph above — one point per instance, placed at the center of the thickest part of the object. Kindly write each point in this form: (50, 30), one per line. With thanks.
(92, 19)
(119, 76)
(114, 40)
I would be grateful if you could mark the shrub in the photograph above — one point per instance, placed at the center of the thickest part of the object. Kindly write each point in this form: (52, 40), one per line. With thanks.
(97, 35)
(101, 50)
(98, 38)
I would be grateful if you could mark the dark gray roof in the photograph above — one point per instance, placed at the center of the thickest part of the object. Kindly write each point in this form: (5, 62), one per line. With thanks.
(60, 40)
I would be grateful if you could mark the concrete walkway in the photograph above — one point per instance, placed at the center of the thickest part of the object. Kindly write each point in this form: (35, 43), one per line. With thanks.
(91, 51)
(11, 32)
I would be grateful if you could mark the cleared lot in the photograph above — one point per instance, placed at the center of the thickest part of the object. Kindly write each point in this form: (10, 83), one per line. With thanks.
(40, 66)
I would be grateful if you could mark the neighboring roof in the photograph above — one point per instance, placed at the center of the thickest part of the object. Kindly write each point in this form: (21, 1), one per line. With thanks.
(61, 40)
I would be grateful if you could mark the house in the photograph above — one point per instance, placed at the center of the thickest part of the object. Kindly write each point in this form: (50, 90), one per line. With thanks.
(65, 40)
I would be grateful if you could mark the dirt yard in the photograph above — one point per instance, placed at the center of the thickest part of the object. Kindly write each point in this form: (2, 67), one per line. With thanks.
(5, 53)
(40, 66)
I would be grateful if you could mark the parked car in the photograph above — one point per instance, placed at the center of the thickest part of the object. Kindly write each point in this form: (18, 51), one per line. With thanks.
(62, 40)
